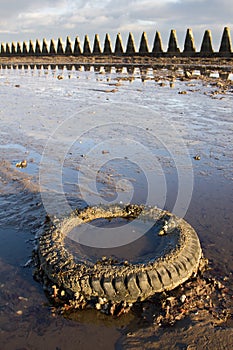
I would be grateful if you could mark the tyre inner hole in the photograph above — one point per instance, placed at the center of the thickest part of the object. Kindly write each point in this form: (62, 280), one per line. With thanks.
(149, 247)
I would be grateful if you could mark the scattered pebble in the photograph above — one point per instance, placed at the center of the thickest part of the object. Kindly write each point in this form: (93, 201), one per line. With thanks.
(23, 298)
(22, 164)
(183, 298)
(197, 157)
(187, 74)
(19, 312)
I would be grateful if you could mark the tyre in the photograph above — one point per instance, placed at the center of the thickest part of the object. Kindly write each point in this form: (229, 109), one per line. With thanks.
(117, 282)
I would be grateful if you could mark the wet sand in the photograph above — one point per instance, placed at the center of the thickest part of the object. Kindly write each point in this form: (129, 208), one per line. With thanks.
(34, 102)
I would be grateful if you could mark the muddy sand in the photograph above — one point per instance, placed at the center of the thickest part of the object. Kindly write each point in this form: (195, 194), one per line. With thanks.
(95, 134)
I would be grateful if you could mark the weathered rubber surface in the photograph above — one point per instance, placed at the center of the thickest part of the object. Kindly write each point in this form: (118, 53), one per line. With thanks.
(118, 282)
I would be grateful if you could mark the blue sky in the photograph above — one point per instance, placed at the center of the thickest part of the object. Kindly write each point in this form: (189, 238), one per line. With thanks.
(32, 19)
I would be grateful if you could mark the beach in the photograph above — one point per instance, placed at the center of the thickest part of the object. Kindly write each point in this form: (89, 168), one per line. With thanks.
(126, 131)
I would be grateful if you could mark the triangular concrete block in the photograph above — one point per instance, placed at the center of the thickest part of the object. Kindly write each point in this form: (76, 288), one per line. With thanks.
(107, 45)
(119, 45)
(77, 47)
(19, 50)
(25, 50)
(226, 45)
(86, 46)
(60, 50)
(52, 49)
(44, 47)
(158, 46)
(31, 48)
(206, 46)
(173, 44)
(96, 46)
(68, 49)
(189, 45)
(144, 48)
(38, 47)
(130, 48)
(13, 48)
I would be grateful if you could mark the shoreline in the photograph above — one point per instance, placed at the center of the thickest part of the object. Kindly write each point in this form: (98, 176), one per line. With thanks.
(167, 62)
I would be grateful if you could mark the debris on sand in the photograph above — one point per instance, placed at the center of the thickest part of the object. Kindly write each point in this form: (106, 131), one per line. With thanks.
(202, 294)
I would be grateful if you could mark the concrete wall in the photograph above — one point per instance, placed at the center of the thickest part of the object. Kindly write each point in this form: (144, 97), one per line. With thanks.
(189, 49)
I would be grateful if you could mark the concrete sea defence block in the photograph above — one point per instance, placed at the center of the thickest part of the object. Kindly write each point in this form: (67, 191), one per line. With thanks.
(206, 46)
(144, 48)
(45, 50)
(86, 46)
(60, 50)
(119, 50)
(38, 48)
(226, 45)
(107, 45)
(158, 46)
(2, 49)
(130, 48)
(19, 49)
(13, 48)
(189, 46)
(173, 43)
(96, 47)
(52, 49)
(77, 47)
(31, 48)
(68, 49)
(25, 49)
(8, 50)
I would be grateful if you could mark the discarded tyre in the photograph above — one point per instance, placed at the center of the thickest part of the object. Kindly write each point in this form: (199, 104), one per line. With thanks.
(117, 282)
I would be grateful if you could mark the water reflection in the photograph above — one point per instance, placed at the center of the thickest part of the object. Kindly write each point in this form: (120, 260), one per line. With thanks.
(144, 72)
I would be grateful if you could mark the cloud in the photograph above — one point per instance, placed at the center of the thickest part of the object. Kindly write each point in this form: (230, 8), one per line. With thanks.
(26, 19)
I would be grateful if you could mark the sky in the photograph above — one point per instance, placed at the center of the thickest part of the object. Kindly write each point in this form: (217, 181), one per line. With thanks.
(26, 20)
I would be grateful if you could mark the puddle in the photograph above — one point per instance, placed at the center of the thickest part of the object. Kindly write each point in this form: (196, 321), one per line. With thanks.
(146, 249)
(18, 153)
